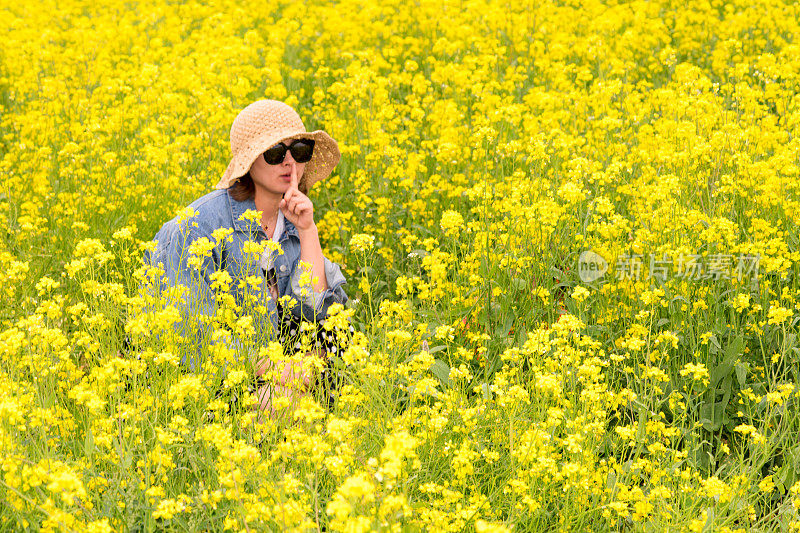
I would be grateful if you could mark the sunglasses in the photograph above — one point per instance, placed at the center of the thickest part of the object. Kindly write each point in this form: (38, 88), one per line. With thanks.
(302, 150)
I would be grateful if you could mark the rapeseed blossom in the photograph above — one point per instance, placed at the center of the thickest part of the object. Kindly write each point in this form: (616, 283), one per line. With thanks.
(362, 242)
(451, 222)
(484, 148)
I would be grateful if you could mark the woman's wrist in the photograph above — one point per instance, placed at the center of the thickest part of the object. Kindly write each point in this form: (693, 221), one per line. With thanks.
(309, 232)
(311, 252)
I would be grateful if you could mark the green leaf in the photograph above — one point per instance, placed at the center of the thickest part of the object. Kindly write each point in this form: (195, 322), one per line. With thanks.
(715, 346)
(441, 370)
(791, 340)
(338, 362)
(421, 229)
(611, 480)
(712, 415)
(741, 373)
(641, 417)
(724, 369)
(486, 392)
(88, 443)
(519, 284)
(502, 328)
(795, 453)
(786, 475)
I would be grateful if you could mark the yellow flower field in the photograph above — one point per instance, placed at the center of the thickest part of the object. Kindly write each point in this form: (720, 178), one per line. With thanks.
(570, 232)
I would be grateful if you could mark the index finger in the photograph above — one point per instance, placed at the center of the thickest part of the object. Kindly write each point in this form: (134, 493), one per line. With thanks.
(294, 178)
(262, 366)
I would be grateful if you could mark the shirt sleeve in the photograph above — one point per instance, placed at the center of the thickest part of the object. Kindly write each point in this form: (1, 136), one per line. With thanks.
(192, 277)
(314, 305)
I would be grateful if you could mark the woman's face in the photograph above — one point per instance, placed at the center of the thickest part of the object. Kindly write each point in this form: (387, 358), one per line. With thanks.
(275, 179)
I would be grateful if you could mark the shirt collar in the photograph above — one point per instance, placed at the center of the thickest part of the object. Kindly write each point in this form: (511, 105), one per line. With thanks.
(279, 225)
(247, 226)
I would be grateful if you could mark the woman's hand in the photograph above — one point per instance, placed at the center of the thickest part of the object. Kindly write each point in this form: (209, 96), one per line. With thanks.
(268, 394)
(293, 374)
(298, 209)
(296, 206)
(293, 383)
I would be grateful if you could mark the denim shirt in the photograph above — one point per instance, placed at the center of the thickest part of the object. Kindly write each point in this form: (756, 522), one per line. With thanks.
(218, 209)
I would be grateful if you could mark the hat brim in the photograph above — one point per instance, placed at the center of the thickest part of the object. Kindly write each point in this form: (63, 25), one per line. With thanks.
(324, 159)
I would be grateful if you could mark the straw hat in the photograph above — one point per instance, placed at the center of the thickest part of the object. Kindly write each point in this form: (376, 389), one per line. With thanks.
(264, 124)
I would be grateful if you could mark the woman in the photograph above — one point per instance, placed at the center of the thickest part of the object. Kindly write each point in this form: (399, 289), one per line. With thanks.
(274, 164)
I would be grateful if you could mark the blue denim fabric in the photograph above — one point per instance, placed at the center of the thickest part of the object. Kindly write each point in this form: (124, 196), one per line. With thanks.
(218, 210)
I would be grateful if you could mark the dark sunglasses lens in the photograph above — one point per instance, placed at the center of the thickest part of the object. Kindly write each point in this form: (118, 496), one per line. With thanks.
(275, 155)
(302, 151)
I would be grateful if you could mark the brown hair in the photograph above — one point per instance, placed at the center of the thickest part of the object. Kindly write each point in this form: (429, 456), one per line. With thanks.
(244, 188)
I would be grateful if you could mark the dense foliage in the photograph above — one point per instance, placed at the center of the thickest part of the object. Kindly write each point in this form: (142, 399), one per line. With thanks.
(486, 146)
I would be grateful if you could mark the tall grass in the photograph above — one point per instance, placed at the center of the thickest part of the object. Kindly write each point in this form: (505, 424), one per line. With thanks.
(485, 146)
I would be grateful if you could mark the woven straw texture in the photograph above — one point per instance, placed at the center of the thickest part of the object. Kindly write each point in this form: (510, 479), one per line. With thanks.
(265, 123)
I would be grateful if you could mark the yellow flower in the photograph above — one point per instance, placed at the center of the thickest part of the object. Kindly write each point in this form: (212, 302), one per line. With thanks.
(745, 429)
(778, 315)
(199, 249)
(571, 193)
(185, 214)
(580, 293)
(220, 234)
(398, 446)
(356, 489)
(99, 526)
(234, 378)
(741, 302)
(699, 372)
(451, 222)
(251, 215)
(717, 489)
(482, 526)
(67, 485)
(362, 242)
(188, 387)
